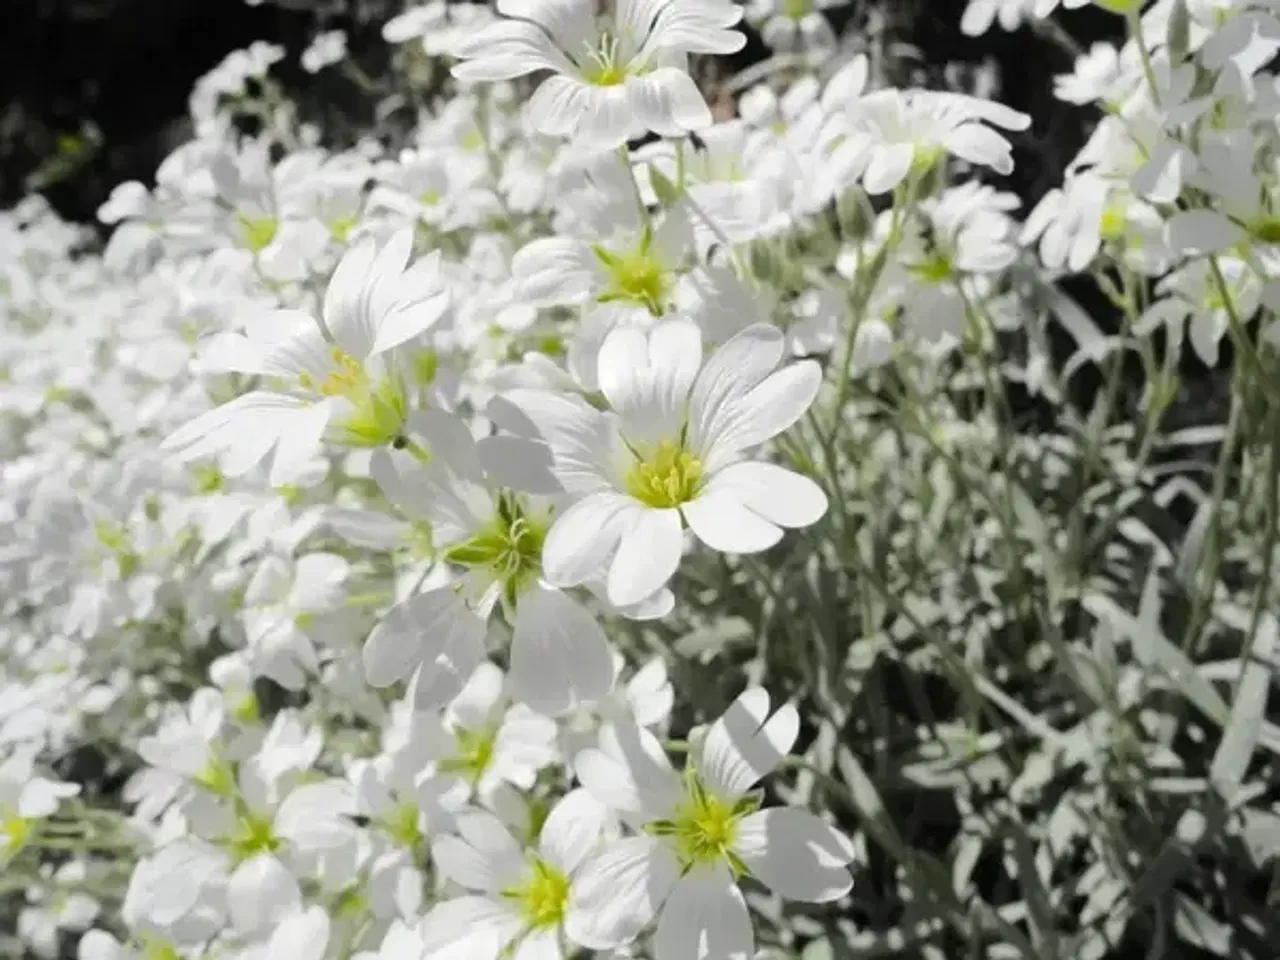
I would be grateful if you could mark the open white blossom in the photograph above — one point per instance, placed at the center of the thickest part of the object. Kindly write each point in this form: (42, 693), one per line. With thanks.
(612, 79)
(670, 452)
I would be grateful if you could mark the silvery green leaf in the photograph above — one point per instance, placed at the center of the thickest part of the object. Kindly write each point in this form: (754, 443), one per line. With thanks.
(1191, 552)
(1196, 926)
(1179, 36)
(705, 642)
(1193, 437)
(861, 788)
(1154, 651)
(1261, 835)
(1248, 712)
(667, 192)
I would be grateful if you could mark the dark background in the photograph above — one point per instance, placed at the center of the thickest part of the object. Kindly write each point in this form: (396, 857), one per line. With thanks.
(94, 92)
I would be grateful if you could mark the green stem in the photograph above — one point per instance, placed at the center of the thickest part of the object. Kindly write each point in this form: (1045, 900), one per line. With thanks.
(1271, 514)
(864, 283)
(1200, 604)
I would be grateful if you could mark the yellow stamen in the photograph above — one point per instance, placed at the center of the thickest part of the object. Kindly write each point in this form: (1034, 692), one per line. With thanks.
(667, 478)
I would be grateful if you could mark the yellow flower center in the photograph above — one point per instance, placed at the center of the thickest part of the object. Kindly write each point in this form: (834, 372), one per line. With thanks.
(934, 269)
(704, 827)
(218, 778)
(253, 836)
(667, 478)
(14, 830)
(341, 228)
(246, 709)
(542, 899)
(351, 904)
(290, 493)
(925, 157)
(602, 66)
(154, 949)
(473, 751)
(207, 480)
(114, 538)
(256, 233)
(346, 378)
(419, 539)
(1113, 224)
(510, 547)
(636, 276)
(796, 9)
(402, 826)
(380, 409)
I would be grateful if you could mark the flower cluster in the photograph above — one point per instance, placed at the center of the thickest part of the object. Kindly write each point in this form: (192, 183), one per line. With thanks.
(359, 496)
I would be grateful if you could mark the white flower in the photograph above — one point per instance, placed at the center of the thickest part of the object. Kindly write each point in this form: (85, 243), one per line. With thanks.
(302, 935)
(326, 49)
(788, 25)
(520, 896)
(1071, 221)
(559, 660)
(338, 377)
(26, 799)
(697, 833)
(184, 744)
(670, 452)
(416, 22)
(979, 15)
(884, 137)
(645, 699)
(1194, 297)
(179, 892)
(284, 602)
(944, 264)
(1102, 74)
(614, 78)
(484, 742)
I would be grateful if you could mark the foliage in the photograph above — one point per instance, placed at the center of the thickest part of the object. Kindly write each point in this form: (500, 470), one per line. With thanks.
(431, 537)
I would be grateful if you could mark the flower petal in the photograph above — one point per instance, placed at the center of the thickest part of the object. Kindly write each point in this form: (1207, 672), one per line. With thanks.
(646, 377)
(486, 858)
(557, 107)
(241, 433)
(580, 437)
(775, 493)
(618, 890)
(554, 270)
(560, 658)
(719, 519)
(668, 102)
(583, 538)
(769, 408)
(888, 167)
(649, 549)
(728, 375)
(418, 631)
(260, 893)
(630, 774)
(705, 918)
(795, 854)
(572, 830)
(468, 928)
(746, 744)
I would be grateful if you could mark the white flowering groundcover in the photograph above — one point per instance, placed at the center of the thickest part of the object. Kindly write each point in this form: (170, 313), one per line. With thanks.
(595, 528)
